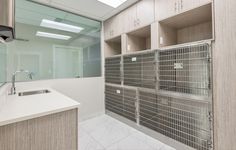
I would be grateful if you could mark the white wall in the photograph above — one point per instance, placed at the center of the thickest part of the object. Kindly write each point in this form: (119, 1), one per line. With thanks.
(89, 92)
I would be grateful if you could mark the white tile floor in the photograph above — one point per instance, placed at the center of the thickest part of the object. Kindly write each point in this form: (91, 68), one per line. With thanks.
(107, 133)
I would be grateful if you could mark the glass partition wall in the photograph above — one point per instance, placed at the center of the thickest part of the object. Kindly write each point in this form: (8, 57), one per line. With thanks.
(53, 44)
(3, 59)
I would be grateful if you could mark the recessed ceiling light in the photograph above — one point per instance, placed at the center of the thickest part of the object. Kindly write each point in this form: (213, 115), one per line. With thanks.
(60, 26)
(113, 3)
(52, 35)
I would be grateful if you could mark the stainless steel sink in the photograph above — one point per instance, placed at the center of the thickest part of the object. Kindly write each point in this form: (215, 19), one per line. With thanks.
(33, 92)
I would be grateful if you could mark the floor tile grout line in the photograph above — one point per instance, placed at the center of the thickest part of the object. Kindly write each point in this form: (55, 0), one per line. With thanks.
(109, 144)
(88, 134)
(111, 119)
(118, 141)
(131, 131)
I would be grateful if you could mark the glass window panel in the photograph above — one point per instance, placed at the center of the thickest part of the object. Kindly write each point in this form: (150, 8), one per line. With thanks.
(49, 44)
(2, 64)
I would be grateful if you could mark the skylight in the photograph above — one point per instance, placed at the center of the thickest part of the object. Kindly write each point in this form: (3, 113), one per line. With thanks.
(113, 3)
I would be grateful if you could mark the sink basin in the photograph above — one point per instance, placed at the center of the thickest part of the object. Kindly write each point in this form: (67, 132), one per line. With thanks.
(33, 92)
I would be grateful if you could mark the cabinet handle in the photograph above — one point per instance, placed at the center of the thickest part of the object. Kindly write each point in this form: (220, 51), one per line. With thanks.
(180, 5)
(138, 21)
(135, 22)
(175, 6)
(111, 33)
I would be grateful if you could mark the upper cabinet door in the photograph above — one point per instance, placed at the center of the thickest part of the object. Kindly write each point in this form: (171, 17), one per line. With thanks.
(113, 27)
(185, 5)
(168, 8)
(139, 15)
(165, 8)
(116, 25)
(202, 2)
(145, 12)
(107, 29)
(131, 18)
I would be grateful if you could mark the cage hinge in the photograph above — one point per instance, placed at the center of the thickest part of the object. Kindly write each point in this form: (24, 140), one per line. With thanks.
(210, 116)
(209, 60)
(209, 144)
(209, 85)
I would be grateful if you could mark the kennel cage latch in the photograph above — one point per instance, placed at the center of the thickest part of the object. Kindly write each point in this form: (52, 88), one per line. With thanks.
(210, 116)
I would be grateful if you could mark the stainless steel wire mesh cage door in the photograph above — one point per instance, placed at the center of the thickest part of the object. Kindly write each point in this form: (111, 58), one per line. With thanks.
(140, 70)
(114, 99)
(121, 101)
(185, 69)
(113, 70)
(183, 120)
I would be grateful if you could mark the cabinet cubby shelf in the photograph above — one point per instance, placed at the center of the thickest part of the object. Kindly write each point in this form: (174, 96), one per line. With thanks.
(190, 26)
(113, 46)
(139, 40)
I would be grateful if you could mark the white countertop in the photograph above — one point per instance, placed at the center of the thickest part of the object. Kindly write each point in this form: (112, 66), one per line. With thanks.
(20, 108)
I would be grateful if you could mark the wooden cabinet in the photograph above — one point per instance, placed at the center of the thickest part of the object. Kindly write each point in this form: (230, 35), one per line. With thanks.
(168, 8)
(185, 5)
(165, 8)
(145, 13)
(202, 2)
(14, 137)
(191, 26)
(140, 15)
(53, 132)
(113, 26)
(137, 16)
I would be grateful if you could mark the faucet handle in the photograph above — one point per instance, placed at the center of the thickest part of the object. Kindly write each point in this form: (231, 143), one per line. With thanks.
(31, 74)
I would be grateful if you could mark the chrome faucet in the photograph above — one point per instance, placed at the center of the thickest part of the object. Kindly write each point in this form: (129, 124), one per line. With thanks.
(13, 88)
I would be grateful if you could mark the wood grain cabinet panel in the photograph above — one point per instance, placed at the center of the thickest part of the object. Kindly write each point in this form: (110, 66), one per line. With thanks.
(186, 5)
(137, 16)
(202, 2)
(145, 13)
(168, 8)
(165, 8)
(141, 14)
(113, 26)
(131, 18)
(14, 136)
(53, 132)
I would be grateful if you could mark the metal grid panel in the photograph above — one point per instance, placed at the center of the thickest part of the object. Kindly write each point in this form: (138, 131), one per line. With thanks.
(129, 104)
(121, 101)
(112, 70)
(114, 99)
(140, 70)
(185, 69)
(183, 120)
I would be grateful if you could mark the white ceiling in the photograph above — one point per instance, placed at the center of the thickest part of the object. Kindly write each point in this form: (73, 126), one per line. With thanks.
(89, 8)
